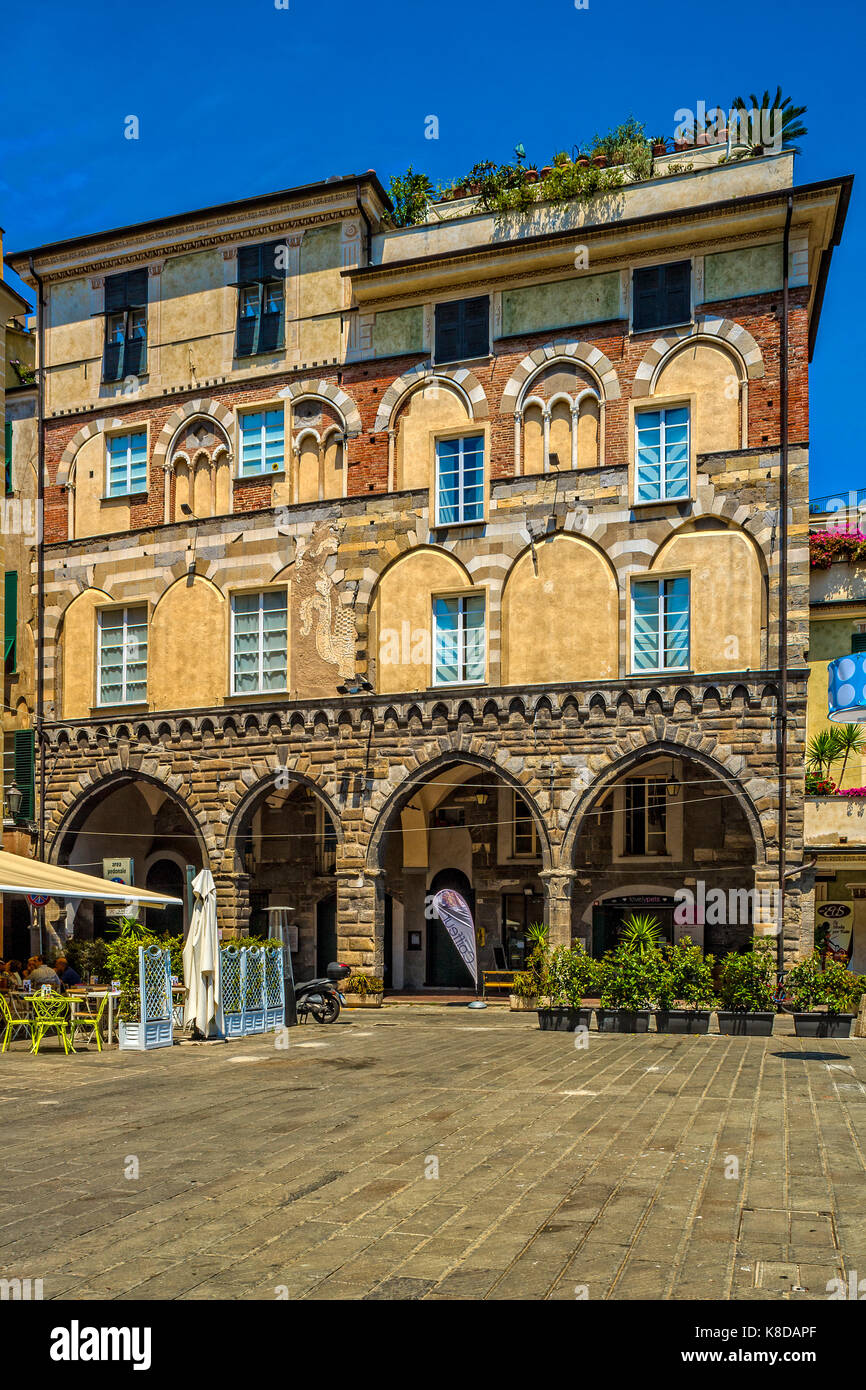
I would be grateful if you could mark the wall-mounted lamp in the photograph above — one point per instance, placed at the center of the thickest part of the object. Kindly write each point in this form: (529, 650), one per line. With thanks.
(672, 786)
(14, 798)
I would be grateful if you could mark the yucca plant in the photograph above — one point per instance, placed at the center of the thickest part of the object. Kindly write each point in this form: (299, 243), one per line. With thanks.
(641, 933)
(822, 751)
(849, 739)
(755, 137)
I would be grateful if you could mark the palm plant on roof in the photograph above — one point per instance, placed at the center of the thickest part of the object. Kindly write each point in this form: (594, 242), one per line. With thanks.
(754, 135)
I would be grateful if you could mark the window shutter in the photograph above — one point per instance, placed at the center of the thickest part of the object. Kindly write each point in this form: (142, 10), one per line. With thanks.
(25, 762)
(115, 293)
(112, 362)
(678, 299)
(136, 289)
(134, 356)
(249, 264)
(271, 330)
(274, 261)
(7, 459)
(10, 619)
(476, 327)
(646, 307)
(247, 330)
(448, 319)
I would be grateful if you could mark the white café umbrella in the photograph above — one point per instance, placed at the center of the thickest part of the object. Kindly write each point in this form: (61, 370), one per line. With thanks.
(201, 962)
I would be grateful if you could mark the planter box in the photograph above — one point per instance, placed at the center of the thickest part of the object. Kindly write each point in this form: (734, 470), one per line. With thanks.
(815, 1025)
(141, 1037)
(622, 1020)
(518, 1004)
(682, 1020)
(563, 1020)
(364, 1001)
(745, 1025)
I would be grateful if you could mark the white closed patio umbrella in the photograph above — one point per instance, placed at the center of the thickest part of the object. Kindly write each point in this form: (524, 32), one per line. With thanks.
(201, 962)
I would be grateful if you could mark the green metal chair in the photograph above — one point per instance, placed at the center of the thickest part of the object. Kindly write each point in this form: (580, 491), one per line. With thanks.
(51, 1011)
(90, 1020)
(10, 1021)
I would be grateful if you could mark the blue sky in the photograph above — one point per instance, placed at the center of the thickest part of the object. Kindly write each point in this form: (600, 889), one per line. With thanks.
(235, 99)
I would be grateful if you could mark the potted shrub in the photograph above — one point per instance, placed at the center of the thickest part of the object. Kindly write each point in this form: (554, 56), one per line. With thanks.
(629, 984)
(527, 990)
(570, 975)
(134, 1033)
(363, 991)
(583, 161)
(600, 161)
(561, 158)
(746, 985)
(659, 144)
(686, 995)
(835, 987)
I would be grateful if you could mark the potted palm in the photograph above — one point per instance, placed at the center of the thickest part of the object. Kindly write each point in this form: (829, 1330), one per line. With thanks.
(832, 985)
(527, 989)
(685, 996)
(629, 981)
(746, 987)
(570, 974)
(363, 992)
(659, 144)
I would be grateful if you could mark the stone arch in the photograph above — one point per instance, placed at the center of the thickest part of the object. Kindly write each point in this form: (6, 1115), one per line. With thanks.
(728, 771)
(67, 458)
(565, 350)
(459, 379)
(418, 772)
(310, 389)
(204, 406)
(712, 330)
(252, 794)
(75, 799)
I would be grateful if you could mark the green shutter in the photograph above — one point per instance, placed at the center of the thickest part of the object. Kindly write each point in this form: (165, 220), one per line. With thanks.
(7, 459)
(10, 620)
(25, 771)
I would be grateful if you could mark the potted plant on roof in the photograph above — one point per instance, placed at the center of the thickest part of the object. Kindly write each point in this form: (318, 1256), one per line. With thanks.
(363, 991)
(686, 995)
(570, 975)
(835, 987)
(746, 985)
(659, 144)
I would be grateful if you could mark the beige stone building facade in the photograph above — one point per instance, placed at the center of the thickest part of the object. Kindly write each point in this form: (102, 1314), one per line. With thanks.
(380, 560)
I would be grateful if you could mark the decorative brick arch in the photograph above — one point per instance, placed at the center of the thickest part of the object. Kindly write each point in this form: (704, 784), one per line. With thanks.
(562, 350)
(711, 330)
(460, 379)
(203, 406)
(327, 391)
(67, 458)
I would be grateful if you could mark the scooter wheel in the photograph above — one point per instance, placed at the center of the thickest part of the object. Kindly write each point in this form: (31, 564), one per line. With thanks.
(328, 1011)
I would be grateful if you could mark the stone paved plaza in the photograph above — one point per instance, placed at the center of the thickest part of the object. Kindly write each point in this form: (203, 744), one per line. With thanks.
(310, 1171)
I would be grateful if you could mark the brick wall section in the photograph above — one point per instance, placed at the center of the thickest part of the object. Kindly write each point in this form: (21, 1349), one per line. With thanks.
(367, 382)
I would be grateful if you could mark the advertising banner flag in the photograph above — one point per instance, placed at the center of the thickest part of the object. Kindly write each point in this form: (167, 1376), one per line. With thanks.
(454, 914)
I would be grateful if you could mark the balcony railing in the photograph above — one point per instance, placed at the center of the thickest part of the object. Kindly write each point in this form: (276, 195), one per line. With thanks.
(838, 511)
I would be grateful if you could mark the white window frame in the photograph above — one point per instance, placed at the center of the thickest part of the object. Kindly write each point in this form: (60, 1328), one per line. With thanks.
(664, 496)
(260, 595)
(128, 490)
(264, 470)
(461, 519)
(460, 600)
(101, 615)
(662, 643)
(534, 852)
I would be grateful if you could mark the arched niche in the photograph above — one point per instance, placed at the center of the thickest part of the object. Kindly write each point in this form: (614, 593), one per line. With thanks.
(726, 594)
(402, 616)
(188, 650)
(543, 592)
(78, 655)
(433, 408)
(710, 375)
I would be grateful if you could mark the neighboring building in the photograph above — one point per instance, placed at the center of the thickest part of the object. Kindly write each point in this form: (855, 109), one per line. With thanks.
(17, 538)
(383, 560)
(835, 825)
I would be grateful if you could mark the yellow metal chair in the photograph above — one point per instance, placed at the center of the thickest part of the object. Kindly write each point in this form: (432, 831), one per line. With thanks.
(90, 1020)
(51, 1011)
(10, 1021)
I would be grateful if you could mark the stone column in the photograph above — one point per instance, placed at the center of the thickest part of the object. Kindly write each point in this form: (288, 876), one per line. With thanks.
(233, 901)
(361, 918)
(558, 884)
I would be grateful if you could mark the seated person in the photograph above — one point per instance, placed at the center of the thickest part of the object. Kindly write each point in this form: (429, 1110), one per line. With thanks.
(13, 970)
(65, 973)
(42, 974)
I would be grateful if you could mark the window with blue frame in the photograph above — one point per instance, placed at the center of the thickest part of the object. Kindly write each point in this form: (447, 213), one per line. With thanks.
(458, 639)
(662, 454)
(459, 480)
(660, 624)
(259, 642)
(262, 442)
(127, 464)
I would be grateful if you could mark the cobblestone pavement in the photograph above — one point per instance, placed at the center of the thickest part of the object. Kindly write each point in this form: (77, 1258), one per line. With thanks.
(311, 1171)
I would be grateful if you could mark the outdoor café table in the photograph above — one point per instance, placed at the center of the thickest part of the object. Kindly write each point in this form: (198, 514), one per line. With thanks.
(27, 998)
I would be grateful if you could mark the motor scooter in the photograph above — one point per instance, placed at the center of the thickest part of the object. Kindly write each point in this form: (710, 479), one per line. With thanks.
(320, 998)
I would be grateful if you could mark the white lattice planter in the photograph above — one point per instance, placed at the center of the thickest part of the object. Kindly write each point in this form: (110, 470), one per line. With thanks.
(154, 1027)
(253, 990)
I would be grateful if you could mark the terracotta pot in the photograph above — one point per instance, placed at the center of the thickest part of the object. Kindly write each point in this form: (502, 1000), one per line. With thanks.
(532, 176)
(680, 145)
(660, 149)
(546, 170)
(583, 161)
(600, 161)
(458, 192)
